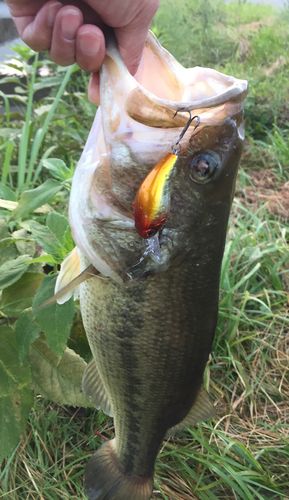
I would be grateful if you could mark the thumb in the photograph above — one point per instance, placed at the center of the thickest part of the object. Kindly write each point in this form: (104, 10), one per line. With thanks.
(132, 37)
(131, 43)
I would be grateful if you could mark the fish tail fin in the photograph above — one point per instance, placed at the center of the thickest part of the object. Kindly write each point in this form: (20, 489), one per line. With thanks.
(104, 479)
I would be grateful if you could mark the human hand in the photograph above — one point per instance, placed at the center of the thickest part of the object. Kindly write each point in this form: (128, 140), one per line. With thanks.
(71, 30)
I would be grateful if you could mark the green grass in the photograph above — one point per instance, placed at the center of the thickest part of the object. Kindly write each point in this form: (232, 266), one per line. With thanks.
(244, 454)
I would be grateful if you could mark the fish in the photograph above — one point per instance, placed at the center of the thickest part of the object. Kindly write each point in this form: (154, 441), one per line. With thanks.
(150, 319)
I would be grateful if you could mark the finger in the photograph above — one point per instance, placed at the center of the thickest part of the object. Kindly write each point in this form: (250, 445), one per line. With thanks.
(63, 46)
(132, 37)
(93, 89)
(90, 48)
(90, 16)
(21, 8)
(36, 30)
(131, 45)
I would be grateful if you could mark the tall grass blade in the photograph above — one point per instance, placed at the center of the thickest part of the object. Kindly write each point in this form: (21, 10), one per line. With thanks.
(6, 166)
(42, 132)
(24, 141)
(7, 107)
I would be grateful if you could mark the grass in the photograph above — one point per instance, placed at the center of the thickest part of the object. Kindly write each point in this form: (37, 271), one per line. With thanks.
(244, 454)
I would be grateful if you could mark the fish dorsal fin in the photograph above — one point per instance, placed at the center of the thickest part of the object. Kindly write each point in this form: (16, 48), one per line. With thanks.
(201, 410)
(94, 389)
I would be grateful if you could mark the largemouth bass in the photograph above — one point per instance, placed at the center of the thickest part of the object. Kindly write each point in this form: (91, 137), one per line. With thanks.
(150, 321)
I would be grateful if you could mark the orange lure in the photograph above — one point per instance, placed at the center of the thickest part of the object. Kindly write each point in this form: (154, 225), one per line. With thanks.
(153, 199)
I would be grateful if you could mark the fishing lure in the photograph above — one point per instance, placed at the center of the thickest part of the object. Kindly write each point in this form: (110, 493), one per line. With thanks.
(153, 199)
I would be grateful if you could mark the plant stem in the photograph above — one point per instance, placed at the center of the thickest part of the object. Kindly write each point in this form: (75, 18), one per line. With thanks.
(23, 149)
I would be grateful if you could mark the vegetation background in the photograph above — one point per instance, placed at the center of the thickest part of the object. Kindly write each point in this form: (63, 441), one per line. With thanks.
(43, 128)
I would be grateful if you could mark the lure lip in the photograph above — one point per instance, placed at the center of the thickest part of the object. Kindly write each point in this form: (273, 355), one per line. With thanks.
(148, 230)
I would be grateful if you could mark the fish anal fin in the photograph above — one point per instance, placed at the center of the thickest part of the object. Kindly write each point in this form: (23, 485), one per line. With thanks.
(104, 478)
(94, 389)
(201, 410)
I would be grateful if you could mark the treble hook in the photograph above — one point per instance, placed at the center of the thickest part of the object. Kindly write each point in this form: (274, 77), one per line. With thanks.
(177, 143)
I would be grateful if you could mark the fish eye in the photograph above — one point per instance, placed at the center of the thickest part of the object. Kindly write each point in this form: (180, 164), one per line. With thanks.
(203, 167)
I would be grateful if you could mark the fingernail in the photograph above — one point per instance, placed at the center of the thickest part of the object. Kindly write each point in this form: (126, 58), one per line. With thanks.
(70, 24)
(89, 47)
(52, 11)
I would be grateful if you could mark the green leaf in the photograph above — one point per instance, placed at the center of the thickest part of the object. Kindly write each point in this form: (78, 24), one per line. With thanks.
(34, 198)
(58, 225)
(49, 259)
(56, 320)
(68, 240)
(26, 332)
(48, 81)
(58, 169)
(58, 381)
(24, 245)
(7, 251)
(78, 339)
(6, 193)
(41, 110)
(14, 412)
(12, 270)
(12, 373)
(44, 238)
(4, 232)
(19, 296)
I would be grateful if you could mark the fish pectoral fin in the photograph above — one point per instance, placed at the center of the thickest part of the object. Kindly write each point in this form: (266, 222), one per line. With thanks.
(201, 410)
(69, 270)
(94, 389)
(68, 280)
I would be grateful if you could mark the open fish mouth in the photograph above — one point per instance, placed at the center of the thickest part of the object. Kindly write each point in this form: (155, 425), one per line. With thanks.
(133, 130)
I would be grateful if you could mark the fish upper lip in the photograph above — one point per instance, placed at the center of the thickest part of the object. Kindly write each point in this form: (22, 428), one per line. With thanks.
(235, 93)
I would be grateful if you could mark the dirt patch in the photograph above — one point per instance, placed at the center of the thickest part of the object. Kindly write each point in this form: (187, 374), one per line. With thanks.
(256, 25)
(267, 189)
(243, 33)
(276, 66)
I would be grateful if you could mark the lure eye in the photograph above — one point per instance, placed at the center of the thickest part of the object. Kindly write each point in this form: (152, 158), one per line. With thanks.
(151, 233)
(203, 167)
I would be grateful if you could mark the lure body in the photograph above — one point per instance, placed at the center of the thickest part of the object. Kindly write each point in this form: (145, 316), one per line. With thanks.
(153, 199)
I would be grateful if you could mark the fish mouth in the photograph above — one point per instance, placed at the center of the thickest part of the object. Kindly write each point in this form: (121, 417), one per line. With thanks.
(134, 128)
(154, 101)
